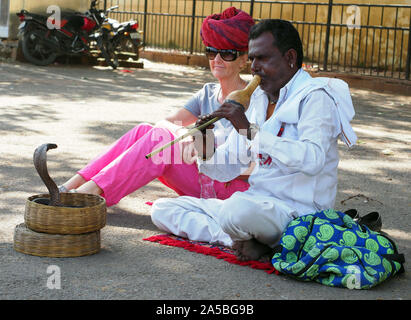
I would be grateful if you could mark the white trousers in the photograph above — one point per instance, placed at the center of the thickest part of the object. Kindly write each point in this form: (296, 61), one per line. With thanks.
(241, 217)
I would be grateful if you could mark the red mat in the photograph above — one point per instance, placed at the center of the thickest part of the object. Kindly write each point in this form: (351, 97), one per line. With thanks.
(217, 251)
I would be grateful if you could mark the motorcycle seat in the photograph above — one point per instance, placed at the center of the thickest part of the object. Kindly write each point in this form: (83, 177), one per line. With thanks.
(128, 23)
(37, 17)
(74, 22)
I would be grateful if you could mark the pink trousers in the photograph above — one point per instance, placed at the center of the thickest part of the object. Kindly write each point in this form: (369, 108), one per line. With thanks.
(123, 168)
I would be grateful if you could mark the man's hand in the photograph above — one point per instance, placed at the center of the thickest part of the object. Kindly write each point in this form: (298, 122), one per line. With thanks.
(235, 113)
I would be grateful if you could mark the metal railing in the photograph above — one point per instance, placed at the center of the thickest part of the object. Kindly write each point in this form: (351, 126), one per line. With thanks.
(370, 39)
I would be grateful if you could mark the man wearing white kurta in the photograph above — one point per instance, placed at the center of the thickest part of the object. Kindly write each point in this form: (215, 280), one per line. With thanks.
(295, 151)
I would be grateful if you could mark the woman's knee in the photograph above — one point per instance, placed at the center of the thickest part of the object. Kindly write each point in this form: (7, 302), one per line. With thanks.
(144, 125)
(161, 134)
(139, 130)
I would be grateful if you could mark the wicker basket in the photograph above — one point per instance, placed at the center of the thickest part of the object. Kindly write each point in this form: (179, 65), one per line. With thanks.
(55, 245)
(87, 214)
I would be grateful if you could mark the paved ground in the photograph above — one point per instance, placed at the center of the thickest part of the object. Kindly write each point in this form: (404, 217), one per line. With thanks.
(83, 109)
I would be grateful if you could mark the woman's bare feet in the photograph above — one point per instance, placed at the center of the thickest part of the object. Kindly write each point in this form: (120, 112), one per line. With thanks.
(252, 250)
(90, 187)
(74, 182)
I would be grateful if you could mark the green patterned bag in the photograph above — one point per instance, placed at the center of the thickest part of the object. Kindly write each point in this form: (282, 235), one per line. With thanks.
(329, 247)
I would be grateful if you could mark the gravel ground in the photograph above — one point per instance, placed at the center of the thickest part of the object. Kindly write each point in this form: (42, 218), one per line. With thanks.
(83, 109)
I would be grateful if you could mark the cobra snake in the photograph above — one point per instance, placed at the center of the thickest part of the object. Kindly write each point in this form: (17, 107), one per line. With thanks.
(40, 163)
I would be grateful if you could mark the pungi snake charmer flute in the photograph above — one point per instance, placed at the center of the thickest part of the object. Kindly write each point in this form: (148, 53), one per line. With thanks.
(238, 96)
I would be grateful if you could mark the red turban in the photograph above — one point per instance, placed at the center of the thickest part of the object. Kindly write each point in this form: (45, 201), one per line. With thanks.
(228, 30)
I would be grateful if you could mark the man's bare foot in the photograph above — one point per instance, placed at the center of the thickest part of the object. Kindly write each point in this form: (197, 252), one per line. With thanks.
(251, 250)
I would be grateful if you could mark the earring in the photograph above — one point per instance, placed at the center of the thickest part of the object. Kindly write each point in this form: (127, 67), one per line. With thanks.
(291, 65)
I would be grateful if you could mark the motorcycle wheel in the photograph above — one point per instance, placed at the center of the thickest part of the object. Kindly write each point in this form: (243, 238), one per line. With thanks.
(129, 45)
(108, 53)
(36, 51)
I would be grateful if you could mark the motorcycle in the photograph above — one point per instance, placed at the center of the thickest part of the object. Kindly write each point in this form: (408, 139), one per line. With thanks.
(124, 37)
(75, 34)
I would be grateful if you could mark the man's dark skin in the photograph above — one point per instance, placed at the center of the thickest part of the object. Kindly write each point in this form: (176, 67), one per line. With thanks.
(276, 70)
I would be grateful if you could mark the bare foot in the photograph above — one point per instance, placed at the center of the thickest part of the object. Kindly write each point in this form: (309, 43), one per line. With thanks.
(251, 250)
(74, 182)
(90, 187)
(267, 257)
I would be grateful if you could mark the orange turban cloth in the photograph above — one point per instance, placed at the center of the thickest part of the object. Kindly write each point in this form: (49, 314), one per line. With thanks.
(228, 30)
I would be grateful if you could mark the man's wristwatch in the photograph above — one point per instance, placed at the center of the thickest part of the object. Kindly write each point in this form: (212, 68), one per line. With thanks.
(252, 131)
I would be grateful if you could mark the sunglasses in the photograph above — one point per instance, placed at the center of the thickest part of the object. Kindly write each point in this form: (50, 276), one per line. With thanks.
(225, 54)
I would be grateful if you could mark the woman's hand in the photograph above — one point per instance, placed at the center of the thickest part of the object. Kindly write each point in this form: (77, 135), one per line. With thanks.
(204, 140)
(188, 152)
